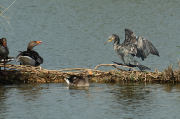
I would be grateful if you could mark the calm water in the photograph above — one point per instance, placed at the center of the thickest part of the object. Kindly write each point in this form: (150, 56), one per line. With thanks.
(73, 34)
(54, 101)
(74, 31)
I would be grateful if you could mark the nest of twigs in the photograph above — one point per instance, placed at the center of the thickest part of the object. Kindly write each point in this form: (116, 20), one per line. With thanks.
(25, 73)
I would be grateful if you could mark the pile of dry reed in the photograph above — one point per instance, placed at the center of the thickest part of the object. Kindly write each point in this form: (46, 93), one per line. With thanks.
(24, 73)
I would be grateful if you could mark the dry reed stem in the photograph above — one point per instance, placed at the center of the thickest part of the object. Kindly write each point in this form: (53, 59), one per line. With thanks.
(71, 69)
(114, 76)
(30, 68)
(178, 63)
(6, 18)
(115, 65)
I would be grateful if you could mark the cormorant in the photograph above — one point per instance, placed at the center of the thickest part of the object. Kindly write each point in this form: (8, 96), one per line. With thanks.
(3, 51)
(132, 46)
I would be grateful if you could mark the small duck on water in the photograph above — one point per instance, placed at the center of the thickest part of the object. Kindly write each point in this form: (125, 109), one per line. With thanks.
(74, 80)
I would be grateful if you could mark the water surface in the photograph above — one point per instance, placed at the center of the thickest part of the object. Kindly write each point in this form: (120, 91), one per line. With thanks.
(73, 34)
(74, 31)
(125, 100)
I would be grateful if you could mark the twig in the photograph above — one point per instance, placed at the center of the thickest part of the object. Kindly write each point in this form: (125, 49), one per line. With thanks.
(114, 65)
(118, 68)
(3, 24)
(8, 7)
(71, 69)
(178, 63)
(6, 18)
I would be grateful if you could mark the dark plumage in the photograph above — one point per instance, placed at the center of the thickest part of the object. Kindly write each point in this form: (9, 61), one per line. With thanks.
(30, 57)
(3, 50)
(74, 80)
(132, 46)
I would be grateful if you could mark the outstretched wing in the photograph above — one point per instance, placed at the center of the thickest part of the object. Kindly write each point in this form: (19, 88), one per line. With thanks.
(144, 48)
(130, 37)
(130, 42)
(139, 46)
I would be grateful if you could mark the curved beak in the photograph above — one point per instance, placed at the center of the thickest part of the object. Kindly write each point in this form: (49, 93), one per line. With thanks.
(108, 41)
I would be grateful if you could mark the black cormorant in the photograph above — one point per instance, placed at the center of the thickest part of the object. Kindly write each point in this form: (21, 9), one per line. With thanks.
(132, 46)
(3, 51)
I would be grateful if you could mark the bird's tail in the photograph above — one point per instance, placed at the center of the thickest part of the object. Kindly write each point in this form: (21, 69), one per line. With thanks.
(142, 67)
(67, 80)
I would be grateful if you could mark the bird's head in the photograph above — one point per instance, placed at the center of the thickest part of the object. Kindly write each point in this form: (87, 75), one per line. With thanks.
(3, 42)
(32, 44)
(113, 37)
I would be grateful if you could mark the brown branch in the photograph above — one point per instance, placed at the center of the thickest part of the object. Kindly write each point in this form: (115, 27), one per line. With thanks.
(118, 68)
(114, 65)
(71, 69)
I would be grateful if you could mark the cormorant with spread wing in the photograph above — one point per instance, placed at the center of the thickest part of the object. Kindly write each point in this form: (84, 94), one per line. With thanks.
(132, 46)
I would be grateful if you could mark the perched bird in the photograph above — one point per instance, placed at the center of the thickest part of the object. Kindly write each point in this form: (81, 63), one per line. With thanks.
(132, 46)
(3, 50)
(74, 80)
(30, 57)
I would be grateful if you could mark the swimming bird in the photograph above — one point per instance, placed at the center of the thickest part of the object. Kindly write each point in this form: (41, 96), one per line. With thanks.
(30, 57)
(3, 50)
(132, 46)
(74, 80)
